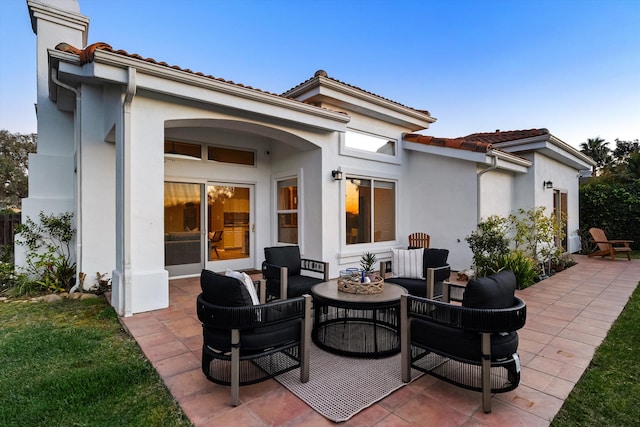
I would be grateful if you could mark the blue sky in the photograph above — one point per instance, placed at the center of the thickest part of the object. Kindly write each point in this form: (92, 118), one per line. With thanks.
(571, 66)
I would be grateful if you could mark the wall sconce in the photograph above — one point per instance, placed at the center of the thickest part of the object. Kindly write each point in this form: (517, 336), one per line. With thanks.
(337, 174)
(547, 184)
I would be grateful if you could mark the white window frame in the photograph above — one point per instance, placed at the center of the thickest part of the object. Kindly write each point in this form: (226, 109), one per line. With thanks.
(297, 175)
(364, 154)
(347, 249)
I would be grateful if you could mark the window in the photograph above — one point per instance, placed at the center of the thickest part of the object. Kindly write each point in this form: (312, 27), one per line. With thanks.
(230, 155)
(370, 210)
(287, 211)
(182, 150)
(370, 143)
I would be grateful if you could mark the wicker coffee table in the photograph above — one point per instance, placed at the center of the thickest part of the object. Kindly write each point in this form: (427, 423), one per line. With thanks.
(357, 325)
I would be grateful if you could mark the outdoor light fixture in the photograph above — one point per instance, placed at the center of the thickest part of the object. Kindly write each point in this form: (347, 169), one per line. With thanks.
(337, 174)
(547, 184)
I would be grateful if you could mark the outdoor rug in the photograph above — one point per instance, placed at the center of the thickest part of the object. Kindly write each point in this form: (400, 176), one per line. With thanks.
(340, 387)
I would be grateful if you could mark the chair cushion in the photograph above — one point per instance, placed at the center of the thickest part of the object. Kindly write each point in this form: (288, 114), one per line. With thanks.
(296, 286)
(407, 263)
(460, 344)
(222, 290)
(256, 339)
(417, 287)
(284, 256)
(495, 291)
(247, 282)
(434, 258)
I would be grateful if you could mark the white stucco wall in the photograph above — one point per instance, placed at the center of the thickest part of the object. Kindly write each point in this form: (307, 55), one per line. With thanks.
(441, 197)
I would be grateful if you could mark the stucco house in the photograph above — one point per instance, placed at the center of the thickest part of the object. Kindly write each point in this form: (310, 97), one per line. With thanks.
(169, 171)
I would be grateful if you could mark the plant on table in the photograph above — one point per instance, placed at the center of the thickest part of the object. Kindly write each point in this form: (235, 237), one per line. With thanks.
(367, 262)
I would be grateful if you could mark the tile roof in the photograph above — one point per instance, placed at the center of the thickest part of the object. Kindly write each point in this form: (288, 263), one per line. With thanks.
(87, 55)
(458, 143)
(504, 136)
(479, 142)
(323, 73)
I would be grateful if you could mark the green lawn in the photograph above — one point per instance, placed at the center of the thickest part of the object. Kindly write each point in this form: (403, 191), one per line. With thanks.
(608, 393)
(71, 364)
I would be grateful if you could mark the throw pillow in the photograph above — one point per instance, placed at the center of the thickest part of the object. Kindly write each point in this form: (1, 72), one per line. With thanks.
(221, 290)
(495, 291)
(247, 282)
(407, 263)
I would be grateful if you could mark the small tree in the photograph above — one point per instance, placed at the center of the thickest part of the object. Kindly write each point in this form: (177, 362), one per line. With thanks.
(536, 233)
(48, 242)
(488, 243)
(14, 155)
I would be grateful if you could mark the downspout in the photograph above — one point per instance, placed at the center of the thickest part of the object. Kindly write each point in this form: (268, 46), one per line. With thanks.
(494, 165)
(126, 194)
(78, 169)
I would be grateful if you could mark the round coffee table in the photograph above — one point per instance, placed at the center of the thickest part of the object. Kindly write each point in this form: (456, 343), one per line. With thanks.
(357, 325)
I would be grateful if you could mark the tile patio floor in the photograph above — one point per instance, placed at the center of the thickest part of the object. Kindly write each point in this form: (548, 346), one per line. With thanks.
(569, 314)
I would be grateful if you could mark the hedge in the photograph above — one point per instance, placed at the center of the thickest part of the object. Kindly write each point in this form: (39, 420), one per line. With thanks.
(614, 207)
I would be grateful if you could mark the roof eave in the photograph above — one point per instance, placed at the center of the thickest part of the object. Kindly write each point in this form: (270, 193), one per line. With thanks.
(551, 146)
(320, 86)
(109, 67)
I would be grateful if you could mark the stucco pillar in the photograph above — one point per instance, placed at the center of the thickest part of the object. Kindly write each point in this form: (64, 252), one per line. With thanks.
(140, 282)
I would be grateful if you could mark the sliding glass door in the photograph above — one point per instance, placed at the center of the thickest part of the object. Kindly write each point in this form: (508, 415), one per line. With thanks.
(207, 226)
(183, 236)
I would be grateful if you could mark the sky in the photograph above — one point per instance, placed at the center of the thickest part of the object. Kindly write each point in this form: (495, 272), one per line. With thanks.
(571, 66)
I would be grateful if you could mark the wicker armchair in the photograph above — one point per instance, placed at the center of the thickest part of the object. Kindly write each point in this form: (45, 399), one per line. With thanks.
(245, 343)
(473, 345)
(283, 270)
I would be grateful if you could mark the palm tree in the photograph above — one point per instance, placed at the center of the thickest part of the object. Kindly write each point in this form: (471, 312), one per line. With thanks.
(597, 149)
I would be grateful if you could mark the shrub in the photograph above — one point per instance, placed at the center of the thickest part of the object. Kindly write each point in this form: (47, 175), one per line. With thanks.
(523, 267)
(48, 258)
(488, 243)
(614, 207)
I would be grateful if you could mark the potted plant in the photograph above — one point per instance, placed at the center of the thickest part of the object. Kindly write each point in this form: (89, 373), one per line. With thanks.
(367, 262)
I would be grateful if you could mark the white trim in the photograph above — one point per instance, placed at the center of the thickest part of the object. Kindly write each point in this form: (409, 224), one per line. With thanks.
(369, 155)
(298, 175)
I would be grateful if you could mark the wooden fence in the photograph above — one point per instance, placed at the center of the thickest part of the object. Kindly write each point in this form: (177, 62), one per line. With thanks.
(8, 223)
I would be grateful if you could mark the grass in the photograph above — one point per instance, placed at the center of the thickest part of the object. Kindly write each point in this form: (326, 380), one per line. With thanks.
(71, 364)
(608, 393)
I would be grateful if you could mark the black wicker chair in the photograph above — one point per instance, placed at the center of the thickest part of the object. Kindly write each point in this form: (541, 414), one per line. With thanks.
(283, 270)
(435, 271)
(473, 345)
(245, 343)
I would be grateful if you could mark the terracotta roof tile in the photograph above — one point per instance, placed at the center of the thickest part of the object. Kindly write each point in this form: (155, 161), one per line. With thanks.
(504, 136)
(479, 142)
(87, 55)
(322, 73)
(458, 143)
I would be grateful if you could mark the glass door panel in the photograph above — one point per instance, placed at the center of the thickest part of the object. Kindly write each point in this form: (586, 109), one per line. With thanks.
(182, 228)
(229, 225)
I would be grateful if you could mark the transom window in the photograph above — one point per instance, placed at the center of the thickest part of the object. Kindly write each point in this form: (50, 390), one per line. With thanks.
(231, 155)
(370, 143)
(370, 210)
(287, 211)
(182, 149)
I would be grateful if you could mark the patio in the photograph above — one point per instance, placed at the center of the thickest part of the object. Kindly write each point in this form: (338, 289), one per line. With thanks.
(569, 315)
